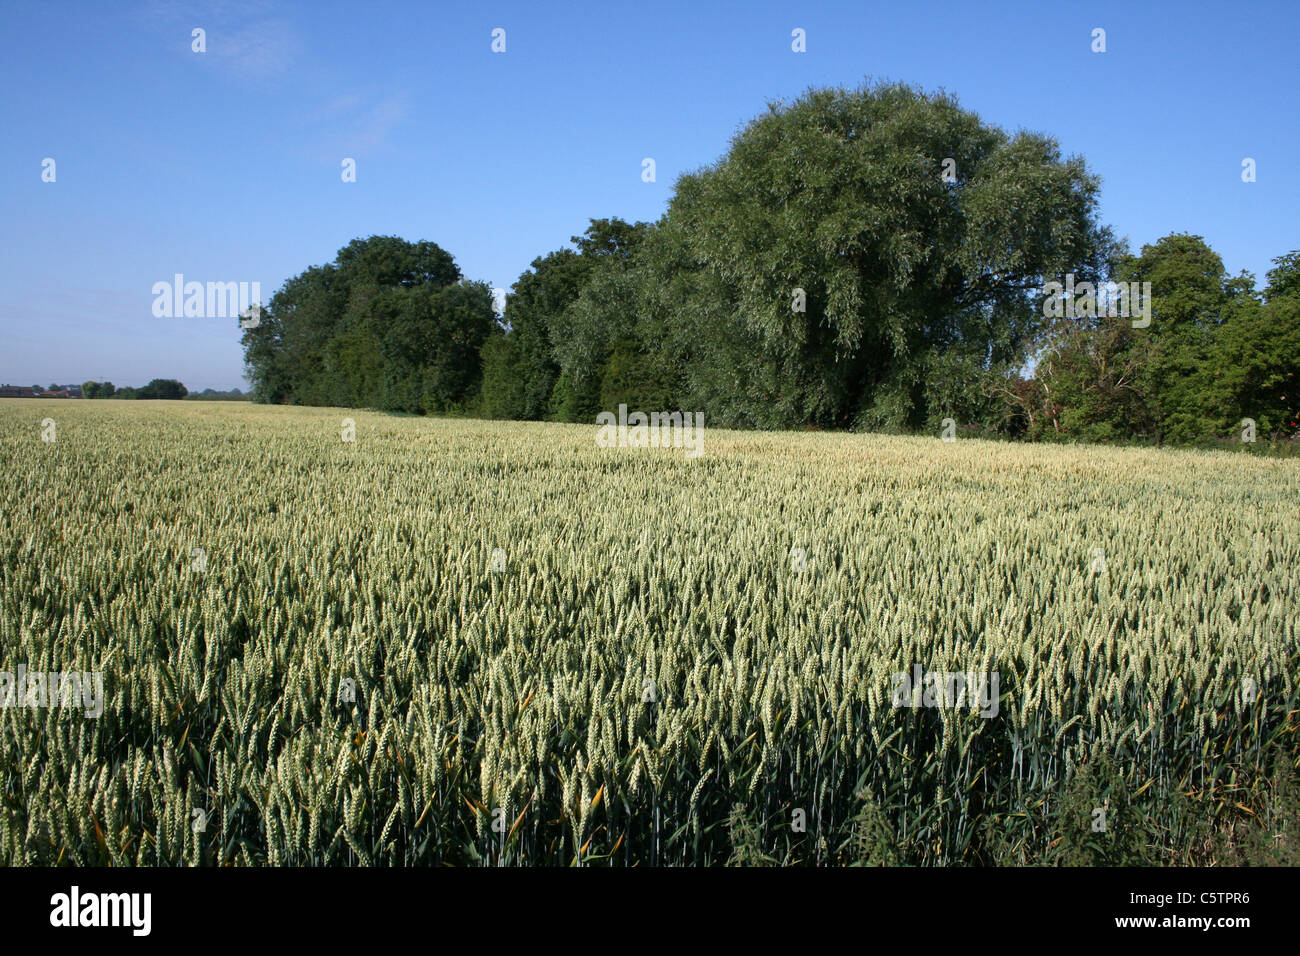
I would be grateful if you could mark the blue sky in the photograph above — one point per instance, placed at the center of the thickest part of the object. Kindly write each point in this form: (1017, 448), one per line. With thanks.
(225, 165)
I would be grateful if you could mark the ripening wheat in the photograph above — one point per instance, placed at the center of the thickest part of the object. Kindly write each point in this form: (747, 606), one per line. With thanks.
(475, 642)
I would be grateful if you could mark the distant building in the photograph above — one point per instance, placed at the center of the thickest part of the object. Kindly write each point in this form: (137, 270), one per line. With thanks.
(27, 391)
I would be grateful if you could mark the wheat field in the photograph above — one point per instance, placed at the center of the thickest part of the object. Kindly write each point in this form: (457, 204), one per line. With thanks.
(486, 643)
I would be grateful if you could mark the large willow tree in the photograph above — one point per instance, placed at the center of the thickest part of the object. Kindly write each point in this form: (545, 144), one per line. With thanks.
(872, 257)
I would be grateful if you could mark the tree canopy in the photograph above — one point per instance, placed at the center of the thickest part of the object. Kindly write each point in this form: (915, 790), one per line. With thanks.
(873, 258)
(388, 324)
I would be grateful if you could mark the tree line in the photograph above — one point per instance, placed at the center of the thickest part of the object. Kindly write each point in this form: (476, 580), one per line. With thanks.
(877, 258)
(168, 388)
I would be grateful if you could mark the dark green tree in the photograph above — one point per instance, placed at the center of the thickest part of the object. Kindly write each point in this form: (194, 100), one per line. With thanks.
(1284, 277)
(554, 342)
(504, 378)
(1256, 358)
(94, 389)
(551, 285)
(1089, 384)
(850, 273)
(389, 324)
(1213, 355)
(1191, 293)
(165, 388)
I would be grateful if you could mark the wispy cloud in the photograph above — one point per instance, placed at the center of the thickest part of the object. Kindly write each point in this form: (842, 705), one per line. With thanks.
(356, 125)
(245, 39)
(378, 121)
(259, 51)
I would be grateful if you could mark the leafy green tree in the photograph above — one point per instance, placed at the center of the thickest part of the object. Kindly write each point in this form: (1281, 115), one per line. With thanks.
(555, 342)
(389, 324)
(463, 320)
(1256, 358)
(1213, 354)
(284, 353)
(847, 262)
(583, 333)
(586, 333)
(635, 375)
(553, 283)
(163, 388)
(94, 389)
(504, 378)
(1191, 293)
(392, 262)
(1089, 384)
(1284, 277)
